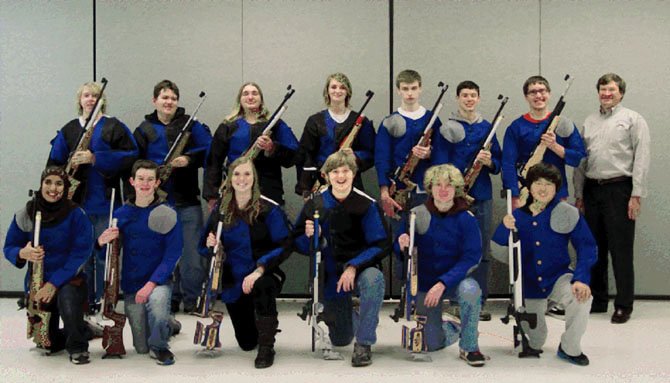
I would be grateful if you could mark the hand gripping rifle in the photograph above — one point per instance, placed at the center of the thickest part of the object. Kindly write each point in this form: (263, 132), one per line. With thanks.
(314, 314)
(208, 335)
(475, 167)
(84, 142)
(538, 154)
(348, 141)
(402, 174)
(112, 336)
(177, 148)
(413, 339)
(253, 151)
(38, 318)
(516, 308)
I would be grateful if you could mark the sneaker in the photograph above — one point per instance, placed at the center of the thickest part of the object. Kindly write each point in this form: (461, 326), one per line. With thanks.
(557, 312)
(580, 360)
(473, 358)
(163, 357)
(93, 308)
(79, 358)
(362, 355)
(484, 316)
(175, 326)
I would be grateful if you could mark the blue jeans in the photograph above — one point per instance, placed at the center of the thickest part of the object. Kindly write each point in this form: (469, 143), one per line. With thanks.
(343, 322)
(95, 266)
(415, 199)
(191, 269)
(483, 212)
(150, 322)
(439, 334)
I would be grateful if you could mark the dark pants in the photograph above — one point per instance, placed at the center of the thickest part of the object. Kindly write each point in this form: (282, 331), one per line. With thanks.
(262, 302)
(68, 305)
(606, 211)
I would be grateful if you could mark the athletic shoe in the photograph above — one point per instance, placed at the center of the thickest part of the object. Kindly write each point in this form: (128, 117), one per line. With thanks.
(362, 355)
(473, 358)
(557, 312)
(580, 360)
(79, 358)
(163, 357)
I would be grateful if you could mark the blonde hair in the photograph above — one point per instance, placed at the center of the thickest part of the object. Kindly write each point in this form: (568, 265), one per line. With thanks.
(446, 172)
(238, 110)
(337, 159)
(229, 205)
(342, 78)
(95, 88)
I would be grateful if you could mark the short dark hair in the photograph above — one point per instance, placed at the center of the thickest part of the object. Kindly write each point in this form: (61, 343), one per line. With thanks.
(609, 77)
(143, 164)
(544, 170)
(166, 84)
(467, 84)
(535, 80)
(407, 76)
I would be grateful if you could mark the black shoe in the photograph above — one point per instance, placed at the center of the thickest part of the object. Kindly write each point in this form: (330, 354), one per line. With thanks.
(580, 360)
(620, 316)
(473, 358)
(175, 326)
(557, 312)
(530, 352)
(163, 357)
(484, 316)
(265, 357)
(93, 308)
(189, 308)
(362, 355)
(79, 358)
(174, 307)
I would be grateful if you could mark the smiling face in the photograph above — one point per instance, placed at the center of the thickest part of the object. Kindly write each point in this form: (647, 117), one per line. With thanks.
(609, 95)
(467, 99)
(337, 92)
(52, 188)
(543, 190)
(243, 178)
(87, 101)
(410, 94)
(166, 104)
(145, 183)
(341, 179)
(538, 96)
(250, 99)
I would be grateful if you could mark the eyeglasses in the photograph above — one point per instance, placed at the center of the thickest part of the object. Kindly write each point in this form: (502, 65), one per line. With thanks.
(537, 92)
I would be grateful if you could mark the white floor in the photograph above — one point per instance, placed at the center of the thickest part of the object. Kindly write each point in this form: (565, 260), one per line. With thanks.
(638, 351)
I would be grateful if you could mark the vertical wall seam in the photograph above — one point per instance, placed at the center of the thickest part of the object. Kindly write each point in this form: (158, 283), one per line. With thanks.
(94, 44)
(391, 26)
(242, 41)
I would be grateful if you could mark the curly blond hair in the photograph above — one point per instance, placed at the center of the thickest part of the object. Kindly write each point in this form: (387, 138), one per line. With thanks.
(447, 172)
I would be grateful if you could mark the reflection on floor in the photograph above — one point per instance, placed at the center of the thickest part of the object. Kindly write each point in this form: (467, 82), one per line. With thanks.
(637, 351)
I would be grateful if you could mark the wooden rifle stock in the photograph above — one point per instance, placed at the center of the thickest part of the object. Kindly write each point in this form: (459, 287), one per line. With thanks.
(538, 154)
(177, 148)
(38, 318)
(404, 173)
(253, 151)
(84, 142)
(112, 336)
(475, 167)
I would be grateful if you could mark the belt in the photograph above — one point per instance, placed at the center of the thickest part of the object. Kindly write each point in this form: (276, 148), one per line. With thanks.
(605, 181)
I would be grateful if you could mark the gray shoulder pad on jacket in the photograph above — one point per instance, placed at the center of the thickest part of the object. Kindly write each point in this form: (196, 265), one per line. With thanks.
(422, 219)
(564, 218)
(453, 131)
(565, 127)
(23, 220)
(162, 219)
(500, 252)
(395, 124)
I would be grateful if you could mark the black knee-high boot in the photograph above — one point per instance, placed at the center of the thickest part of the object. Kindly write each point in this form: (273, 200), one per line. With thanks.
(267, 328)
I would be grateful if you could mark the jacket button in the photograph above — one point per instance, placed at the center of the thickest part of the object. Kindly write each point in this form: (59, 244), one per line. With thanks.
(539, 279)
(539, 262)
(537, 243)
(534, 223)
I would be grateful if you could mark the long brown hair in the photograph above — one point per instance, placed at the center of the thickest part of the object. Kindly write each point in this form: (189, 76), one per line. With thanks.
(231, 212)
(238, 110)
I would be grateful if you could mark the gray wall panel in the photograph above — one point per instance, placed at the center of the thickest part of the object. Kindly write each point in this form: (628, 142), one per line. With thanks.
(588, 39)
(195, 44)
(301, 42)
(45, 54)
